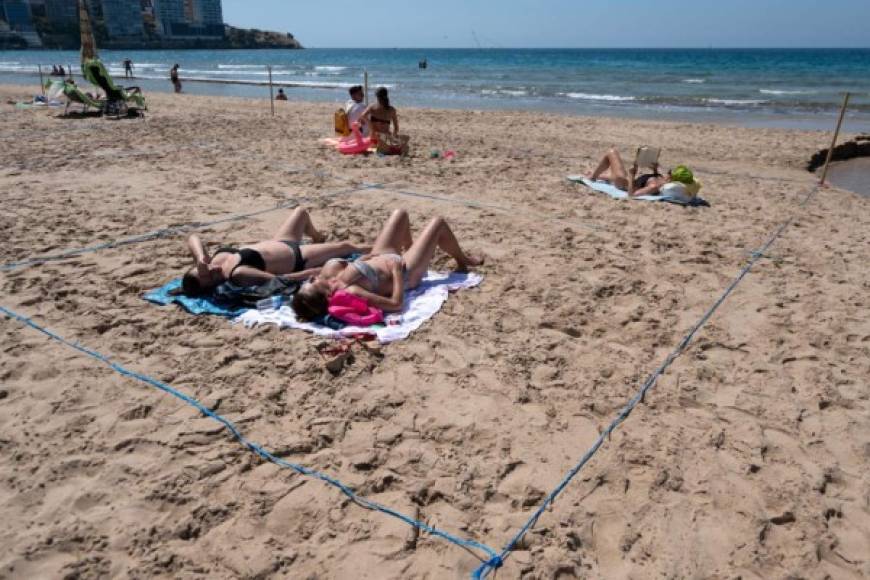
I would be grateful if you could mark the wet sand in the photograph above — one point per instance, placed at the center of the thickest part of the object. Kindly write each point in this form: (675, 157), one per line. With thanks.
(749, 459)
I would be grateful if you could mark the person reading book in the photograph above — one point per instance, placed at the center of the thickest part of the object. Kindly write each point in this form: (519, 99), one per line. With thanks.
(612, 168)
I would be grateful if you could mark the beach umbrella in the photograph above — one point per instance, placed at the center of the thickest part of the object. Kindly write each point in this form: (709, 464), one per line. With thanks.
(89, 45)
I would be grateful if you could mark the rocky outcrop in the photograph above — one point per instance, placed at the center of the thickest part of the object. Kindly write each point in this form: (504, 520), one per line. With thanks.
(253, 38)
(859, 147)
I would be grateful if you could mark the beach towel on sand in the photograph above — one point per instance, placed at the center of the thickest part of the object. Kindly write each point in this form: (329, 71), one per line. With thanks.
(421, 304)
(209, 305)
(616, 193)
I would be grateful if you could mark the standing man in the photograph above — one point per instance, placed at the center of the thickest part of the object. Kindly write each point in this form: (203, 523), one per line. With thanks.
(128, 68)
(173, 76)
(355, 108)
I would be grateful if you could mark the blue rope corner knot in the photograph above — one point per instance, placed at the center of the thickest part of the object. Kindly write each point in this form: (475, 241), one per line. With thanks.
(495, 562)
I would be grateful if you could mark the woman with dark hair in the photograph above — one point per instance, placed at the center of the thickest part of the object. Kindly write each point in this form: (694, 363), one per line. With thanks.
(284, 255)
(382, 116)
(397, 263)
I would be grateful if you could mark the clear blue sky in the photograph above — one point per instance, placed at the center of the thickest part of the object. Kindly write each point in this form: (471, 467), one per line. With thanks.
(560, 23)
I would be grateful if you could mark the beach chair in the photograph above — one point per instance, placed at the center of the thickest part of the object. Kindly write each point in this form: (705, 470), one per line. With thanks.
(120, 101)
(74, 94)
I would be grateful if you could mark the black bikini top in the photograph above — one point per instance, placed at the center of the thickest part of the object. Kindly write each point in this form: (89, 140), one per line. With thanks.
(247, 257)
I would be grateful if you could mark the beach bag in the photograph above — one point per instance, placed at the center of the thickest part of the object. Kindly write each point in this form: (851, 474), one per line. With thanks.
(232, 296)
(342, 126)
(354, 310)
(389, 144)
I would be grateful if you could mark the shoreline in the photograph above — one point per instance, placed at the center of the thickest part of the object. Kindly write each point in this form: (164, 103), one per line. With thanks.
(335, 93)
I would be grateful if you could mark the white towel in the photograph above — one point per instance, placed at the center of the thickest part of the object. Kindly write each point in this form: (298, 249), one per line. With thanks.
(421, 304)
(616, 193)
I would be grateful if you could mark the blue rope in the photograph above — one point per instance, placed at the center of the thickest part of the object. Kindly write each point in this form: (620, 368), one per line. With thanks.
(167, 232)
(494, 563)
(253, 447)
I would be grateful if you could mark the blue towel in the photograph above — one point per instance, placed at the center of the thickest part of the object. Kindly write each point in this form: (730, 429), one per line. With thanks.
(204, 305)
(616, 193)
(207, 305)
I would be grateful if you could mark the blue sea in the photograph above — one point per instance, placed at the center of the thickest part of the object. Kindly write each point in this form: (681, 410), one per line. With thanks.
(795, 88)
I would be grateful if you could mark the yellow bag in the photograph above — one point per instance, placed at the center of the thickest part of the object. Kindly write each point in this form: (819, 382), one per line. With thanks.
(342, 127)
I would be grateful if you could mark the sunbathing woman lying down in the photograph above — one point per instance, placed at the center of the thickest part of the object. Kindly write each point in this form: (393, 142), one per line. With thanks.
(612, 169)
(396, 263)
(284, 255)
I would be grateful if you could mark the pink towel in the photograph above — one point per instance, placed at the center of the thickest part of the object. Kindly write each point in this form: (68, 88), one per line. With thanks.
(354, 310)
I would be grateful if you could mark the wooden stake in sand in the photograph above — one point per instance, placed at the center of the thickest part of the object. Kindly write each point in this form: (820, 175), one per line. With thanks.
(271, 92)
(366, 87)
(41, 82)
(834, 141)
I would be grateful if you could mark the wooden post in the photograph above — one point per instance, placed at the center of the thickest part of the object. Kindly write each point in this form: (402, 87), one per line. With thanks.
(271, 90)
(366, 87)
(41, 82)
(69, 70)
(834, 141)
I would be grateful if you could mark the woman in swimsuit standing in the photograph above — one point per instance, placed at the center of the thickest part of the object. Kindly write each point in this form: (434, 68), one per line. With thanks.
(258, 263)
(397, 263)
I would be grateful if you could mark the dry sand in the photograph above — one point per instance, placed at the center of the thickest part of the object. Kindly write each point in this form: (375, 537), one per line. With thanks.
(748, 460)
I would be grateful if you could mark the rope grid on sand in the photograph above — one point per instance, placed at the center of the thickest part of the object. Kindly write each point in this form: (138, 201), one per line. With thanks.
(494, 559)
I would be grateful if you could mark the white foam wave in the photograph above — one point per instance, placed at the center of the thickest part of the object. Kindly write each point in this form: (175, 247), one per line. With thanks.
(243, 66)
(783, 92)
(735, 101)
(593, 97)
(247, 73)
(332, 69)
(509, 92)
(694, 81)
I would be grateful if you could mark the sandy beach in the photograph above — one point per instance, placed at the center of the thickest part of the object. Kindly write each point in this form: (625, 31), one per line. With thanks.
(749, 459)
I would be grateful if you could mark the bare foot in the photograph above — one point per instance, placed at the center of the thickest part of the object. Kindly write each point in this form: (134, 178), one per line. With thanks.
(470, 261)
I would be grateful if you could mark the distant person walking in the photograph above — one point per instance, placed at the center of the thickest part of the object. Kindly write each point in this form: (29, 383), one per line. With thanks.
(173, 76)
(128, 68)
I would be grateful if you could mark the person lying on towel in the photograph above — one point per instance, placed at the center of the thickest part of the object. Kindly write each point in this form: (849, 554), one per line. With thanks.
(396, 263)
(612, 169)
(284, 255)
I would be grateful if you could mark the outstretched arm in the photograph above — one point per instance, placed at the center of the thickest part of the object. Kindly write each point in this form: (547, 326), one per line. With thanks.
(247, 276)
(631, 175)
(395, 117)
(302, 275)
(197, 249)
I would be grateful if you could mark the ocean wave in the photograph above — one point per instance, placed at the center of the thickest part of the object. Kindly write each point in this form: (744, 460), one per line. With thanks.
(593, 97)
(247, 73)
(509, 92)
(243, 66)
(330, 69)
(783, 92)
(735, 101)
(695, 81)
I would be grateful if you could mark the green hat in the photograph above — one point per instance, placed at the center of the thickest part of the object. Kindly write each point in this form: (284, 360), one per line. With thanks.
(682, 174)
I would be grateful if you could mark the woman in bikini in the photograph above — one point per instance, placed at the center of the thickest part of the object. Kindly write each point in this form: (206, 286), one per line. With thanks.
(396, 263)
(381, 116)
(612, 169)
(256, 264)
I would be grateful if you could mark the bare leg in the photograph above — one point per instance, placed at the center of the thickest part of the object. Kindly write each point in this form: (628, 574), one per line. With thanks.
(437, 234)
(297, 225)
(613, 163)
(395, 236)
